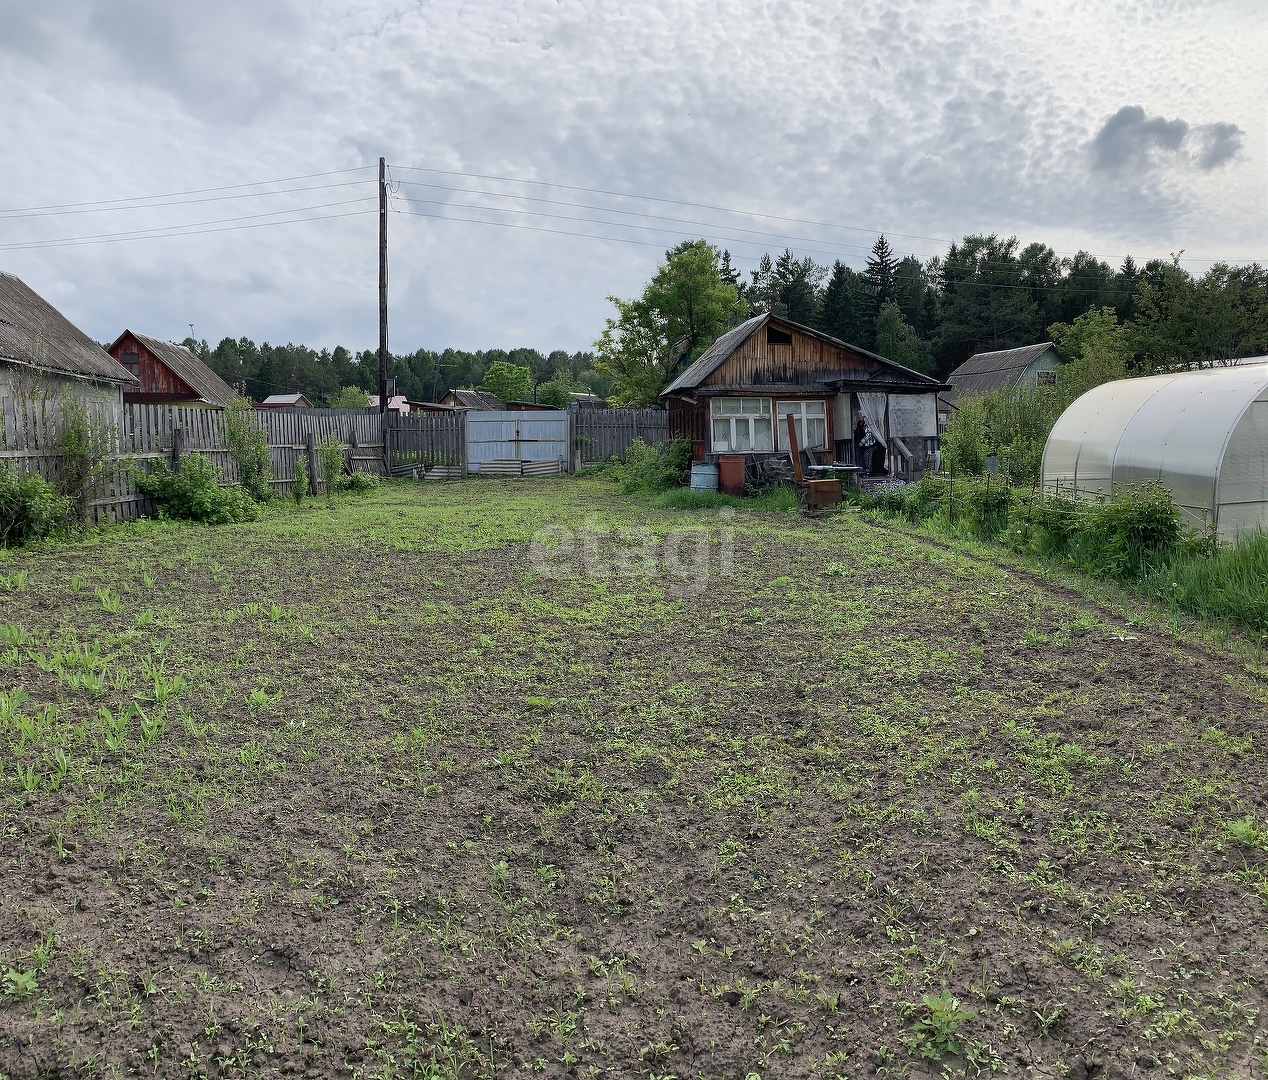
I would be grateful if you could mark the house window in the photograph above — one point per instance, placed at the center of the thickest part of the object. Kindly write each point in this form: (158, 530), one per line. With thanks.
(741, 425)
(777, 337)
(1046, 378)
(131, 359)
(811, 420)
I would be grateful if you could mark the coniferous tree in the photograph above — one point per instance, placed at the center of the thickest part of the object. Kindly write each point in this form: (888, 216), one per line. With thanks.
(841, 312)
(881, 268)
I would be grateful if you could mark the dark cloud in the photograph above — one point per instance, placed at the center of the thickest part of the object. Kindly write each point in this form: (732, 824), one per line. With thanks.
(1217, 144)
(1131, 143)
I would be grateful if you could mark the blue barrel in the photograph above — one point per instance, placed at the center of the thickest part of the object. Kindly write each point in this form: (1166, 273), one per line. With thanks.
(704, 477)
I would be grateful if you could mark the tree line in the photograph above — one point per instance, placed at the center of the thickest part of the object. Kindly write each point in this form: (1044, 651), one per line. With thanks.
(985, 294)
(340, 376)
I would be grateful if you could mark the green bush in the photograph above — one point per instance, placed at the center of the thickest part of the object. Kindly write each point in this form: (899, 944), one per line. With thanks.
(249, 448)
(989, 508)
(30, 508)
(193, 493)
(360, 483)
(330, 462)
(652, 468)
(1129, 535)
(300, 487)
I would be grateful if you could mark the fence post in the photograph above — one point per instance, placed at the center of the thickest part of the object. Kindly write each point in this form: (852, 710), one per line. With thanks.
(465, 453)
(178, 447)
(310, 448)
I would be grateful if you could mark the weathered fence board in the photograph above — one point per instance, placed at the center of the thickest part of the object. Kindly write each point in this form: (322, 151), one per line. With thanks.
(30, 441)
(601, 434)
(424, 443)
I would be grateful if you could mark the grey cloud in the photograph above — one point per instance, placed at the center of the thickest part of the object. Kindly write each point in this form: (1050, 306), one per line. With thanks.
(1132, 143)
(224, 62)
(1218, 144)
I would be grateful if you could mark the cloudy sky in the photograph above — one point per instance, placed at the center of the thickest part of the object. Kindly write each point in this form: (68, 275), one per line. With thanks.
(544, 153)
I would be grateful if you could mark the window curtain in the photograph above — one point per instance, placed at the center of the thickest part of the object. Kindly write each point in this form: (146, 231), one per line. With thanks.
(873, 408)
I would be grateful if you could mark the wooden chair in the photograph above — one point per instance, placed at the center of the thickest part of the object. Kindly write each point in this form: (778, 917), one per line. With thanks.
(817, 492)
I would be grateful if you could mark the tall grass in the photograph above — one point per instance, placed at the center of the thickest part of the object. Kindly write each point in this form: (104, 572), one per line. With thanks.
(1230, 582)
(1136, 538)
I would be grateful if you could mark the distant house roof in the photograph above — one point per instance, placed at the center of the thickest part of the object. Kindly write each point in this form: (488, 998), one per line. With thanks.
(286, 401)
(986, 371)
(720, 351)
(209, 386)
(34, 333)
(472, 399)
(586, 400)
(395, 403)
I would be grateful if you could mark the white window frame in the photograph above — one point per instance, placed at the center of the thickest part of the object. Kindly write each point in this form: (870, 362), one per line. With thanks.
(735, 425)
(817, 414)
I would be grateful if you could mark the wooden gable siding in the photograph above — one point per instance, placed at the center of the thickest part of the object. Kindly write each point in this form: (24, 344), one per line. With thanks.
(806, 360)
(156, 377)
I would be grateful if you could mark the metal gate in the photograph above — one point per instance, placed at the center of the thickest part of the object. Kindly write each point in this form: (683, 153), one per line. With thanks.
(518, 443)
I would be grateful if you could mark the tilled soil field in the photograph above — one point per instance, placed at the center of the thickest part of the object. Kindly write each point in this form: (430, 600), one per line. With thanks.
(393, 789)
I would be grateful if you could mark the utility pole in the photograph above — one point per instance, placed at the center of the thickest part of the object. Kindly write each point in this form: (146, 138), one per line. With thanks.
(382, 285)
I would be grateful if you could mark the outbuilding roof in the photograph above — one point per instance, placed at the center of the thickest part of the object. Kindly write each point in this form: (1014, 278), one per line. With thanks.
(209, 386)
(720, 351)
(475, 399)
(34, 333)
(999, 370)
(287, 401)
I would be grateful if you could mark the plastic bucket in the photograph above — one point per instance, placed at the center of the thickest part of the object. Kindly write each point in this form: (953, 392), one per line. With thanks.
(704, 477)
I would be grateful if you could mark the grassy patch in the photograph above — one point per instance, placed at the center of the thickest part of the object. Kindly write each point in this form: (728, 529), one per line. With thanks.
(387, 786)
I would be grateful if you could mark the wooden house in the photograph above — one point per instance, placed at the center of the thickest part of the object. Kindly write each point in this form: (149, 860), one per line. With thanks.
(1012, 370)
(42, 355)
(167, 372)
(848, 405)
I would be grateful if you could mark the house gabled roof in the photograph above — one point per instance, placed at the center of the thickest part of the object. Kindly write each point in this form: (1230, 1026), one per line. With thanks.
(999, 370)
(34, 333)
(204, 382)
(475, 399)
(720, 351)
(291, 400)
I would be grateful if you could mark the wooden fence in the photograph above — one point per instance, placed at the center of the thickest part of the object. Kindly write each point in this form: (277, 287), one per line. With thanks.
(601, 434)
(30, 440)
(424, 441)
(421, 443)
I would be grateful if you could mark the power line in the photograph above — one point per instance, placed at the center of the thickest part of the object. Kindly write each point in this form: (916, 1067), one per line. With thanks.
(609, 210)
(171, 230)
(14, 215)
(195, 191)
(677, 202)
(1066, 289)
(191, 231)
(719, 209)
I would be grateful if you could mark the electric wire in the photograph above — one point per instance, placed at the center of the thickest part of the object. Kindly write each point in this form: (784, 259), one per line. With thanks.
(16, 216)
(176, 230)
(190, 230)
(195, 191)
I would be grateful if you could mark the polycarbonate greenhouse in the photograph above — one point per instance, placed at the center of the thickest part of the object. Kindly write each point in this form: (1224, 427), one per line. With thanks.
(1202, 434)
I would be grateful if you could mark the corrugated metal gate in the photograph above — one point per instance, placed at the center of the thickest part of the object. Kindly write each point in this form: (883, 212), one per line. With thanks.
(517, 443)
